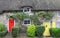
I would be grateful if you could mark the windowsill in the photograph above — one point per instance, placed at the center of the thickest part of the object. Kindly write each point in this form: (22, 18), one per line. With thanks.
(27, 12)
(25, 24)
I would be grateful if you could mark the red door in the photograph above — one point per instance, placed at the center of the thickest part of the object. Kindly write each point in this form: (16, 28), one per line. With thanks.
(11, 24)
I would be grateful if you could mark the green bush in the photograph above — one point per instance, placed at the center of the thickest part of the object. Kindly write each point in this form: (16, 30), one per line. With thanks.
(40, 30)
(2, 27)
(3, 33)
(31, 30)
(15, 31)
(55, 32)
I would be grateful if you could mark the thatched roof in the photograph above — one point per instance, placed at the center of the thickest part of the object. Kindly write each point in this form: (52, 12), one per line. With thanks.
(35, 4)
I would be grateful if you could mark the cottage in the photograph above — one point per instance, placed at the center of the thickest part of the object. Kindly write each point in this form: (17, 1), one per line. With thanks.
(9, 7)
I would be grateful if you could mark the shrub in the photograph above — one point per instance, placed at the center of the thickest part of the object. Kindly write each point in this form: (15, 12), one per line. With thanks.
(55, 32)
(3, 33)
(2, 27)
(15, 31)
(40, 30)
(31, 30)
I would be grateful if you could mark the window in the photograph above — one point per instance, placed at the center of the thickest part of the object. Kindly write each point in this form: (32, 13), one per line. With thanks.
(26, 10)
(58, 13)
(27, 21)
(58, 24)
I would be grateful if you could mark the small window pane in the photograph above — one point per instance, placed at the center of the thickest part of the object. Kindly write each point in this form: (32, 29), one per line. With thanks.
(58, 24)
(58, 13)
(27, 22)
(26, 9)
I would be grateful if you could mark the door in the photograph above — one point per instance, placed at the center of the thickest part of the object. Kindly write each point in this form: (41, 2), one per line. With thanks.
(54, 24)
(10, 25)
(47, 26)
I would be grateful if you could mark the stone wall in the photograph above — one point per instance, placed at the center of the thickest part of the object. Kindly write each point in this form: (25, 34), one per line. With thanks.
(56, 18)
(4, 18)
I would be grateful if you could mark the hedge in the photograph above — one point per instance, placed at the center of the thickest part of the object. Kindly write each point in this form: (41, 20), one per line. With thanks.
(31, 30)
(55, 32)
(40, 30)
(3, 33)
(15, 31)
(2, 27)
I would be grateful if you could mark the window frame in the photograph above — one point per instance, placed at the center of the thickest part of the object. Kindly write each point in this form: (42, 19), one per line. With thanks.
(58, 13)
(57, 24)
(26, 20)
(26, 8)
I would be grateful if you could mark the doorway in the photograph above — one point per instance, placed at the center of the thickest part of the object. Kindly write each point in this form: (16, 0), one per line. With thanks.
(10, 24)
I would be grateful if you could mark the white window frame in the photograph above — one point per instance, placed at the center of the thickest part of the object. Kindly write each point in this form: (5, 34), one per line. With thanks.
(57, 13)
(58, 25)
(26, 24)
(27, 8)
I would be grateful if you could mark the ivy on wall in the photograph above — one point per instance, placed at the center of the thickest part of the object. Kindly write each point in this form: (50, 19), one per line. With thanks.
(36, 18)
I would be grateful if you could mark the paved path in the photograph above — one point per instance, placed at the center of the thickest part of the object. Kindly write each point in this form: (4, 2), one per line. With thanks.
(22, 35)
